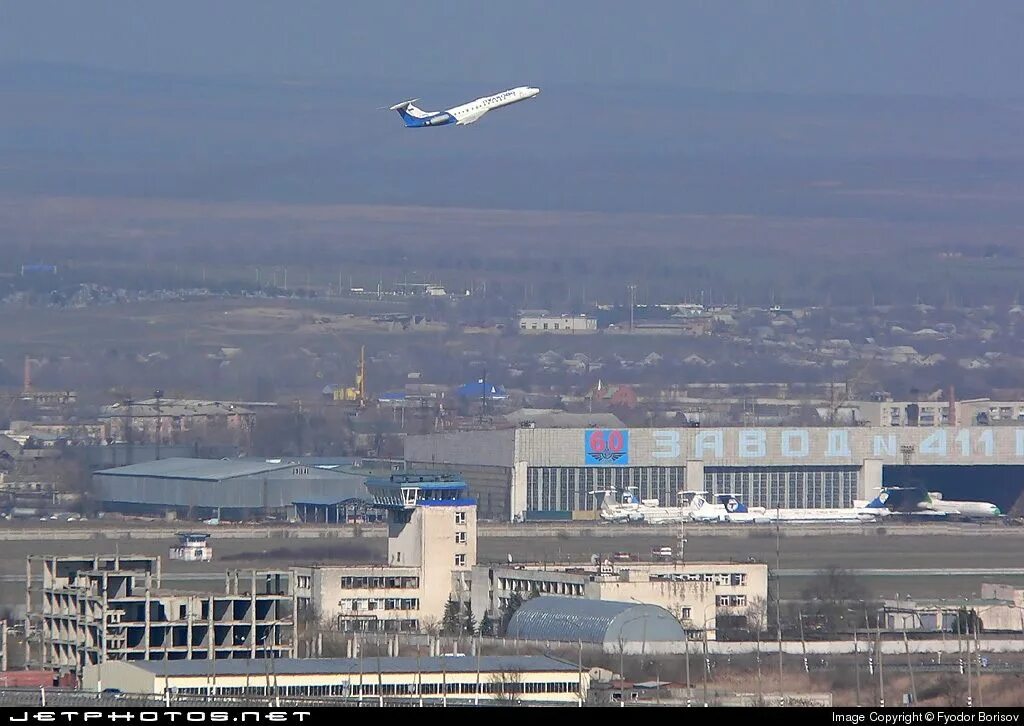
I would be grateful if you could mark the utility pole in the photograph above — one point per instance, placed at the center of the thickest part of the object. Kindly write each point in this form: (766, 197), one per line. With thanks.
(881, 679)
(158, 394)
(632, 305)
(910, 665)
(483, 397)
(856, 662)
(128, 427)
(778, 595)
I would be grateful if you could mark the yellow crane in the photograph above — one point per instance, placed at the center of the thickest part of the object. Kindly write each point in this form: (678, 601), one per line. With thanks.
(356, 394)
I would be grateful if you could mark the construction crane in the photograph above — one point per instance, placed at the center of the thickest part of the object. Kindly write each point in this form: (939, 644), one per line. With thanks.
(357, 393)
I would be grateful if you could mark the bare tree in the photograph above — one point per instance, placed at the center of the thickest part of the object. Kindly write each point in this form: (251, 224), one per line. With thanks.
(508, 684)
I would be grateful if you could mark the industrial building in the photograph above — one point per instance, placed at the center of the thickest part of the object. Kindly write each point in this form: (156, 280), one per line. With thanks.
(469, 679)
(512, 472)
(431, 553)
(236, 489)
(540, 322)
(613, 626)
(87, 610)
(1000, 608)
(695, 594)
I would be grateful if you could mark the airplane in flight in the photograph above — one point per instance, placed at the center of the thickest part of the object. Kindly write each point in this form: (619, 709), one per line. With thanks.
(462, 115)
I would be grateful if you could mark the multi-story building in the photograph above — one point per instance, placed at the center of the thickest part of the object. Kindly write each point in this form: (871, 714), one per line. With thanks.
(695, 593)
(86, 610)
(431, 553)
(545, 323)
(932, 413)
(171, 420)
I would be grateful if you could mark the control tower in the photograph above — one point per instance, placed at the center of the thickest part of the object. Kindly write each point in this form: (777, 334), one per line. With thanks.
(432, 526)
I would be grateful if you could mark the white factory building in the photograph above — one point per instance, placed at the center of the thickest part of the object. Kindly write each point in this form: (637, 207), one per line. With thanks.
(452, 679)
(512, 472)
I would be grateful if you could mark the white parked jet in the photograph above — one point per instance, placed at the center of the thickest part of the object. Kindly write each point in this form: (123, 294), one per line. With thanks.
(630, 509)
(467, 113)
(919, 502)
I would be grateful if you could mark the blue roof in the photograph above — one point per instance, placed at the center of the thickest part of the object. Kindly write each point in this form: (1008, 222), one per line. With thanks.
(476, 390)
(573, 620)
(405, 664)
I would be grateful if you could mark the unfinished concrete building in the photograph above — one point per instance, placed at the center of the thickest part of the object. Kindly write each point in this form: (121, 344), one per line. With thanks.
(86, 610)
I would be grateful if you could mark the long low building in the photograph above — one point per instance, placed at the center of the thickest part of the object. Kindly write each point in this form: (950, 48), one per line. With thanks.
(513, 472)
(695, 593)
(539, 679)
(232, 488)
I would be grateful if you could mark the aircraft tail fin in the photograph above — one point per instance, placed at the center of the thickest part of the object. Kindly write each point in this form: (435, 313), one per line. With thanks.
(410, 113)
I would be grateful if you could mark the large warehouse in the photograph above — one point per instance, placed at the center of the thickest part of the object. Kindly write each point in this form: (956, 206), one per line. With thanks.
(234, 488)
(513, 472)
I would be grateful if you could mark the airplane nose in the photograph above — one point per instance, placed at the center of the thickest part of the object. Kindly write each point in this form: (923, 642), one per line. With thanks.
(534, 91)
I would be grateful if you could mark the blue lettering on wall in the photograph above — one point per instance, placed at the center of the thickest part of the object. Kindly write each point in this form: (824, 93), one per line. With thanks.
(796, 443)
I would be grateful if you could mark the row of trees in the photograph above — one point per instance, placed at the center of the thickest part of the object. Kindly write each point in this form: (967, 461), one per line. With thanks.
(459, 619)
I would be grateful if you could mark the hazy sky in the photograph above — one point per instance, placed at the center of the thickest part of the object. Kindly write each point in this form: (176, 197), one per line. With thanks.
(871, 46)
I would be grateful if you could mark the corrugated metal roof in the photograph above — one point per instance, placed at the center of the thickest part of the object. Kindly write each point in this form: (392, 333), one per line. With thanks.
(572, 620)
(328, 500)
(308, 666)
(203, 469)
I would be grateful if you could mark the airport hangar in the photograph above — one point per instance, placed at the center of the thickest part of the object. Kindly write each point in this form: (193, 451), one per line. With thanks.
(538, 473)
(230, 488)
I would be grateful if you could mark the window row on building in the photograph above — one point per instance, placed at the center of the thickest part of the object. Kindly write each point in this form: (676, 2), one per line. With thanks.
(786, 487)
(375, 583)
(544, 587)
(722, 579)
(489, 683)
(356, 605)
(377, 625)
(568, 488)
(731, 601)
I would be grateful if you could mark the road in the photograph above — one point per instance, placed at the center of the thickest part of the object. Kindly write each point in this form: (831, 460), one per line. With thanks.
(933, 560)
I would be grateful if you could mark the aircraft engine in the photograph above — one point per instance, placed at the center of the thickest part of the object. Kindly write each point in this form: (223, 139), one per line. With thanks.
(441, 118)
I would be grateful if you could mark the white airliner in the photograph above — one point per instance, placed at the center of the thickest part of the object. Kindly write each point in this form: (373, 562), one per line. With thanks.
(467, 113)
(630, 509)
(916, 501)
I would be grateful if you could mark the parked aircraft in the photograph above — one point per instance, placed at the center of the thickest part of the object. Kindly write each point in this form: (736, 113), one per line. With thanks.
(917, 501)
(631, 509)
(462, 115)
